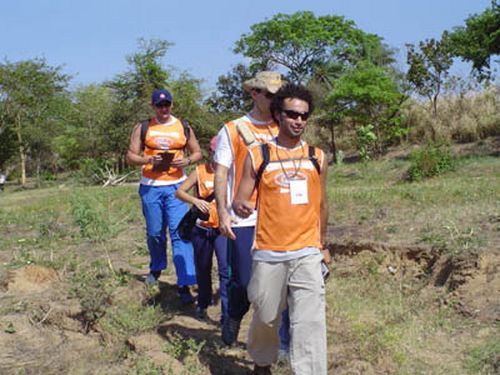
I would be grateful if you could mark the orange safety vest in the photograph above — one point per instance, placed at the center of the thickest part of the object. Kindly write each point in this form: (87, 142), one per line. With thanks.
(205, 177)
(262, 133)
(281, 225)
(164, 138)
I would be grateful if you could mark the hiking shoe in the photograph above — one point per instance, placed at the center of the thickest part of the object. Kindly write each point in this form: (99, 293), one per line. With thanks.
(151, 280)
(230, 330)
(201, 313)
(283, 356)
(185, 295)
(262, 370)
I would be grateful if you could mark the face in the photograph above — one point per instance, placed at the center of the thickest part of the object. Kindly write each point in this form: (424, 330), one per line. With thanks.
(293, 118)
(262, 99)
(162, 110)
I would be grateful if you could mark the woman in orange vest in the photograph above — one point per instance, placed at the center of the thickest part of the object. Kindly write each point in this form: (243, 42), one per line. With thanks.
(206, 237)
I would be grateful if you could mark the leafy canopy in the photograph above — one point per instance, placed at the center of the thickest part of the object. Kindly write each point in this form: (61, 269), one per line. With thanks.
(479, 39)
(429, 66)
(301, 42)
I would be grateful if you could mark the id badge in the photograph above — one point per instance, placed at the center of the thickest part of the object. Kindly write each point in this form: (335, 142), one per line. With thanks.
(298, 192)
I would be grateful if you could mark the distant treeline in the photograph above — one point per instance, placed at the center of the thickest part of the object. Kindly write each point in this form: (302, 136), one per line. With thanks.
(363, 102)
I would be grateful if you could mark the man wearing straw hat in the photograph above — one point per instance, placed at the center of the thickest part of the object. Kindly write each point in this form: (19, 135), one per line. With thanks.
(234, 140)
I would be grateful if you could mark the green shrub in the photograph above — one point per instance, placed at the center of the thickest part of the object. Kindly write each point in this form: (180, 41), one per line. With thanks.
(431, 160)
(93, 286)
(131, 319)
(485, 358)
(366, 138)
(90, 216)
(179, 347)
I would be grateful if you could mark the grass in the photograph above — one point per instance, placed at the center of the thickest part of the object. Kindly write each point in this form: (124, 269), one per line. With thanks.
(379, 322)
(394, 325)
(375, 199)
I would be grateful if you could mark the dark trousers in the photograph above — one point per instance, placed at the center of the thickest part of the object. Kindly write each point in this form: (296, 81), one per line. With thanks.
(205, 243)
(239, 256)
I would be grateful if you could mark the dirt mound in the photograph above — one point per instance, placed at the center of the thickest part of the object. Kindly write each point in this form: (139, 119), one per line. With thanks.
(31, 278)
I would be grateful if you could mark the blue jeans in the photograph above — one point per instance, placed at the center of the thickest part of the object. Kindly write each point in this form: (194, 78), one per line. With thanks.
(161, 209)
(239, 257)
(205, 242)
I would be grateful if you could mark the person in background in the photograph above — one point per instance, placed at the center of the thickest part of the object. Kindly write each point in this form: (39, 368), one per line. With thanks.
(159, 147)
(3, 178)
(206, 237)
(291, 232)
(234, 140)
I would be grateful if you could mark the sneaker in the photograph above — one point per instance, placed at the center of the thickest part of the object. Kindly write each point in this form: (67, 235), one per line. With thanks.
(151, 280)
(185, 295)
(201, 313)
(230, 330)
(262, 370)
(283, 356)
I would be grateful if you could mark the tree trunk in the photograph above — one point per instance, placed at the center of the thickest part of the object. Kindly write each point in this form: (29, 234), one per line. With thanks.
(38, 169)
(434, 106)
(333, 146)
(22, 152)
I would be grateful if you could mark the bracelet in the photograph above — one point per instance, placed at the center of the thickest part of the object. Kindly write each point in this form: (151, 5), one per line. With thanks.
(189, 161)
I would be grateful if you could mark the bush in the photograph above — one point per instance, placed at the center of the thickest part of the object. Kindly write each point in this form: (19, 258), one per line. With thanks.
(431, 160)
(91, 217)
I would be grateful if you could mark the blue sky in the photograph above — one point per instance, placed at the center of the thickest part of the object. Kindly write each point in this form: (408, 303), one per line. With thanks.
(91, 38)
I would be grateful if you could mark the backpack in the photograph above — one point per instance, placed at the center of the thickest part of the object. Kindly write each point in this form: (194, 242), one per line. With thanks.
(264, 151)
(145, 126)
(188, 221)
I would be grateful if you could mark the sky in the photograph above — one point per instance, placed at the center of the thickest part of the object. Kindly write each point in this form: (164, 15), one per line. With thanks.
(92, 38)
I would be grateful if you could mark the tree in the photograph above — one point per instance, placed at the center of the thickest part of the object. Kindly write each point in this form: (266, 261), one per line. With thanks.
(230, 97)
(479, 39)
(87, 127)
(145, 71)
(30, 92)
(188, 97)
(301, 42)
(369, 97)
(429, 66)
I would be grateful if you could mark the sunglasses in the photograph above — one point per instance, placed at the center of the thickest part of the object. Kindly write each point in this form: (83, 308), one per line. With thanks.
(267, 94)
(295, 115)
(163, 104)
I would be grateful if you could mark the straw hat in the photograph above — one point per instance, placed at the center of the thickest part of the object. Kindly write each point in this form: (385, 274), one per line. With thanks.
(266, 80)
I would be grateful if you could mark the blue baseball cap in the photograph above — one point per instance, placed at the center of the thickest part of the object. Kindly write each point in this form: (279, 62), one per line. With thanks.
(161, 95)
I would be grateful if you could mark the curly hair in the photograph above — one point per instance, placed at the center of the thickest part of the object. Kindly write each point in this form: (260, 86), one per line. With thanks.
(290, 91)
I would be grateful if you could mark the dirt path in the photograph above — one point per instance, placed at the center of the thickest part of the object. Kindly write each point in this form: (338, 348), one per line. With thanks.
(42, 330)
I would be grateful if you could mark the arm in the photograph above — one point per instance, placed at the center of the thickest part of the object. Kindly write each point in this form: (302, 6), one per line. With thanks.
(194, 152)
(224, 159)
(221, 199)
(182, 193)
(324, 212)
(241, 204)
(134, 153)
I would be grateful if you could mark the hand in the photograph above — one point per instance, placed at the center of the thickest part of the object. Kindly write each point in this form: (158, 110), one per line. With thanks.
(243, 208)
(225, 222)
(202, 205)
(327, 258)
(155, 160)
(180, 163)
